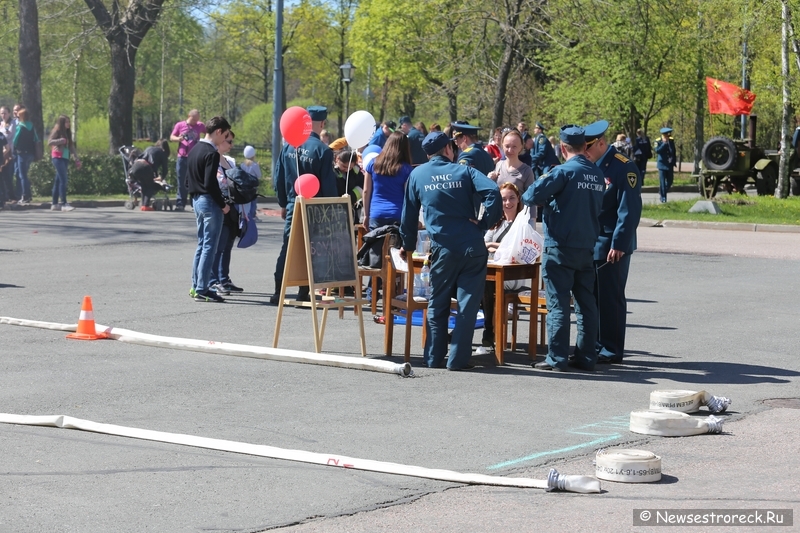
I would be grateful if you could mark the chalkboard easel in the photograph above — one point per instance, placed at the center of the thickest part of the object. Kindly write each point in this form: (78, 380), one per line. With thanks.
(322, 254)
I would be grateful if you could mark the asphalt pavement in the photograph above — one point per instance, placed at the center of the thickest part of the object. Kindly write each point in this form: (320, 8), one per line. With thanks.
(708, 310)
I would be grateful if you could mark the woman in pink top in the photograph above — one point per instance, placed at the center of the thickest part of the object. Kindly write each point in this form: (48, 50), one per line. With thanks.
(186, 133)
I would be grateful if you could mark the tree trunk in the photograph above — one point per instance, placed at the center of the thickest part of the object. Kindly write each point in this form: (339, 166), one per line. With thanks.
(30, 62)
(120, 100)
(782, 191)
(501, 88)
(74, 120)
(452, 104)
(700, 107)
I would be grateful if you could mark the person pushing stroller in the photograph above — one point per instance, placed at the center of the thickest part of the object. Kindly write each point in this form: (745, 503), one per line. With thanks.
(149, 170)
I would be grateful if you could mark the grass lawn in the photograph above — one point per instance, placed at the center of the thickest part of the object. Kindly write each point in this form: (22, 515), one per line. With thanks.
(736, 208)
(681, 178)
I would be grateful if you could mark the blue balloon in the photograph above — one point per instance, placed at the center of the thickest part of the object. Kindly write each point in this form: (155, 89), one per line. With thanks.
(371, 149)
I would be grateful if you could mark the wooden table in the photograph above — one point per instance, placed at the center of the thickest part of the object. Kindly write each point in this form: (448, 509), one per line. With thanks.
(500, 274)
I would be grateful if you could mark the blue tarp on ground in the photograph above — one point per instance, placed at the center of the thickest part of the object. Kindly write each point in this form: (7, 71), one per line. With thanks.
(416, 320)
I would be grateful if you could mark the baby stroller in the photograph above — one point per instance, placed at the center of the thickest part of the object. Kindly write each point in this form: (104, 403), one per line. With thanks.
(130, 157)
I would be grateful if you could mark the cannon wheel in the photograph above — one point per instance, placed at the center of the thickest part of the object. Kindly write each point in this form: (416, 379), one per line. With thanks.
(767, 181)
(707, 185)
(719, 153)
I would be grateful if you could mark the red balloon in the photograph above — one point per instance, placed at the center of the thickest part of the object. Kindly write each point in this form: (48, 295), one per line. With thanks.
(295, 125)
(307, 186)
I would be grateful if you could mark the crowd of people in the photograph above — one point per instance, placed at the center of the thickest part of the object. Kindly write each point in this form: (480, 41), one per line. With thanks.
(467, 195)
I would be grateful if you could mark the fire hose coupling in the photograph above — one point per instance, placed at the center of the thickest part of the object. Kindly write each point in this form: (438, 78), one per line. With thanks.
(714, 423)
(718, 404)
(571, 483)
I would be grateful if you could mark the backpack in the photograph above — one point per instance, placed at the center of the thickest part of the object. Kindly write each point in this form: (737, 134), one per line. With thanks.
(243, 186)
(25, 140)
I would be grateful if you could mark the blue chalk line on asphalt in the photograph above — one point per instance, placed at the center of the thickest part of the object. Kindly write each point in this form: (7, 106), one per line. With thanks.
(595, 429)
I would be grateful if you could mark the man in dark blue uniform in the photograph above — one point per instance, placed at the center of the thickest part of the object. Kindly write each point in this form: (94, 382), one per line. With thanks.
(543, 156)
(665, 162)
(571, 194)
(447, 192)
(415, 138)
(312, 157)
(642, 151)
(382, 133)
(619, 218)
(471, 151)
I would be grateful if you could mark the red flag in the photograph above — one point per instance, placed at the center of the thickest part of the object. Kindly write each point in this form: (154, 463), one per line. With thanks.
(728, 99)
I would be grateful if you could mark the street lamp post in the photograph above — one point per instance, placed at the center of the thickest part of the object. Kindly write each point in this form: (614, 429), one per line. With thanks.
(347, 76)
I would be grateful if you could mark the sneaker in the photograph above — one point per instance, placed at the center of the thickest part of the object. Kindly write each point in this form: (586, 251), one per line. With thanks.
(219, 288)
(55, 207)
(274, 299)
(147, 208)
(192, 292)
(231, 287)
(179, 208)
(67, 207)
(208, 296)
(23, 203)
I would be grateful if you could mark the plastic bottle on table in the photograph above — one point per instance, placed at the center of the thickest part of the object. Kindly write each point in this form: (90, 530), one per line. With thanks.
(425, 279)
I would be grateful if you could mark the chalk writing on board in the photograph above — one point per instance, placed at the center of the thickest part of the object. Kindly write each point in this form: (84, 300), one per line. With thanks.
(330, 239)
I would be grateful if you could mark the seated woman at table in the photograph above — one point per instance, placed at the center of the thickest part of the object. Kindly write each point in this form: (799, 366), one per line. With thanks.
(512, 205)
(385, 180)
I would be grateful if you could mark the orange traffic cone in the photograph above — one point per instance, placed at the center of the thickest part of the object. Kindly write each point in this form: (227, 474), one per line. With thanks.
(86, 329)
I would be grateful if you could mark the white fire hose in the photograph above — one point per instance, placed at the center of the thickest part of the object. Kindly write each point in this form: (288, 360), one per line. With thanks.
(554, 481)
(224, 348)
(687, 401)
(673, 423)
(628, 466)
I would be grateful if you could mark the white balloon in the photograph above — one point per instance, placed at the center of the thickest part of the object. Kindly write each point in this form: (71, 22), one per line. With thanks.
(358, 128)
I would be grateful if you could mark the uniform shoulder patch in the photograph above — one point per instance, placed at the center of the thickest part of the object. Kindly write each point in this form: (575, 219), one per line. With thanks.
(621, 157)
(633, 177)
(541, 141)
(463, 162)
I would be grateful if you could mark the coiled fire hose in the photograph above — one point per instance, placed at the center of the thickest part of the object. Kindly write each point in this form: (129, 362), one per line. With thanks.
(554, 481)
(673, 423)
(628, 466)
(687, 401)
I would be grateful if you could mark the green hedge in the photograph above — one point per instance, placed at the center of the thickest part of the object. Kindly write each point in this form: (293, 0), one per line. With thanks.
(100, 175)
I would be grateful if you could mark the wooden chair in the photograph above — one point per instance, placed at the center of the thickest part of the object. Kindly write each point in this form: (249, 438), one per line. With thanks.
(398, 288)
(374, 273)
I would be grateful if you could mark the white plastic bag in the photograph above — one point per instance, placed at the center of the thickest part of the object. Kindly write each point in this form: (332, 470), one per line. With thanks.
(521, 245)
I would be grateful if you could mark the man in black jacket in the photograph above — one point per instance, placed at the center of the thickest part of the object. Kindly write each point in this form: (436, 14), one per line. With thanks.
(209, 205)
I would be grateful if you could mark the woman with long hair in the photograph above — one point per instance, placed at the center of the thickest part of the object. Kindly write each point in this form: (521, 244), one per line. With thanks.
(494, 145)
(511, 169)
(512, 205)
(385, 182)
(61, 147)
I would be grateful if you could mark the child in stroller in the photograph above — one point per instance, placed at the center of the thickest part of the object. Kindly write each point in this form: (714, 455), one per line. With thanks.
(145, 174)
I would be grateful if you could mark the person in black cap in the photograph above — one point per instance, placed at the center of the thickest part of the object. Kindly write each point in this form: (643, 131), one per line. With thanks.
(543, 156)
(665, 162)
(382, 133)
(415, 138)
(315, 157)
(471, 150)
(619, 218)
(571, 194)
(447, 192)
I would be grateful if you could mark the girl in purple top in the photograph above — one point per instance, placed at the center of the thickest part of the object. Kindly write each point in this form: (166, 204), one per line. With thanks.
(385, 181)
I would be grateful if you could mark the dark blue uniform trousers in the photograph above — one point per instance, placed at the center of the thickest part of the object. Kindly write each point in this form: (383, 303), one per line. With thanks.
(570, 269)
(463, 274)
(612, 306)
(281, 263)
(665, 178)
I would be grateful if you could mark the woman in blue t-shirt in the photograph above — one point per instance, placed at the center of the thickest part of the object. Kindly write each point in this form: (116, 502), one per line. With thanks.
(385, 181)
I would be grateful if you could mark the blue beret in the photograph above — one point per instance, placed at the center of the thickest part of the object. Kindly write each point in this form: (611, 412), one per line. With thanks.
(539, 125)
(404, 120)
(664, 131)
(318, 113)
(462, 126)
(572, 135)
(434, 141)
(595, 130)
